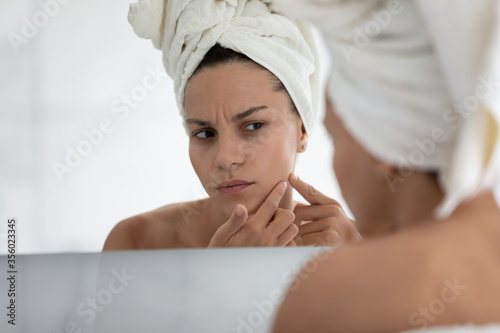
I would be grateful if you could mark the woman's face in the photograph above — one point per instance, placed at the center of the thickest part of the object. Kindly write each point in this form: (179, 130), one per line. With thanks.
(243, 136)
(359, 175)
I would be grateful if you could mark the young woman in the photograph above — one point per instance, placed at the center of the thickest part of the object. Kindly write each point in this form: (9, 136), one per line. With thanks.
(248, 115)
(417, 159)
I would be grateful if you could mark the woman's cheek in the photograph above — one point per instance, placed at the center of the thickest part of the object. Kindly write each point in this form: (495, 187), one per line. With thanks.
(264, 137)
(200, 162)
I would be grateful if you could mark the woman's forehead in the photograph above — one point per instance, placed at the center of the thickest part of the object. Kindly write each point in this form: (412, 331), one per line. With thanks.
(226, 78)
(234, 87)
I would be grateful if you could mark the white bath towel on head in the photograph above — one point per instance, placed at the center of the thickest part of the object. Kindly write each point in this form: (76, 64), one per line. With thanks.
(417, 83)
(493, 328)
(185, 30)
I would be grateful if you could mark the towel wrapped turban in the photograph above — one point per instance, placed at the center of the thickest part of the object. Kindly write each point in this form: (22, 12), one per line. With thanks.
(185, 30)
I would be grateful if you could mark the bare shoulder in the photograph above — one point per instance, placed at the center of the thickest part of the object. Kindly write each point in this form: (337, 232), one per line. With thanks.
(392, 283)
(156, 229)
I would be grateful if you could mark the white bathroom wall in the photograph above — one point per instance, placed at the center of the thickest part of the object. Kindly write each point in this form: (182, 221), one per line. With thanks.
(65, 71)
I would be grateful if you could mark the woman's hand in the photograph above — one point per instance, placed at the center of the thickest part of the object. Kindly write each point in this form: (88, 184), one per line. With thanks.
(324, 222)
(270, 226)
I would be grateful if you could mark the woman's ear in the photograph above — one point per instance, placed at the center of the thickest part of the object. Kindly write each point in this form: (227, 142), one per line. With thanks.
(302, 139)
(383, 169)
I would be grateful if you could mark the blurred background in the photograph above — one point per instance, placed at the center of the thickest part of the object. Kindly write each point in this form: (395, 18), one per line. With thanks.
(89, 129)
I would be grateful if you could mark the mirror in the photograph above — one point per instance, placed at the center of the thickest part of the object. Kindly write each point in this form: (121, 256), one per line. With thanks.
(90, 131)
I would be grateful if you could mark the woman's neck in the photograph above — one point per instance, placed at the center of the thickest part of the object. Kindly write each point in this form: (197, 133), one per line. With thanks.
(415, 201)
(483, 204)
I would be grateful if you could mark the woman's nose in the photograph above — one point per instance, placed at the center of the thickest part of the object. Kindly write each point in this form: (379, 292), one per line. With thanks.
(230, 152)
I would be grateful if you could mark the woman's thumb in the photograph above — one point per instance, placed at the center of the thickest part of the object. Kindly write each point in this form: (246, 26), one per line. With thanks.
(238, 217)
(227, 230)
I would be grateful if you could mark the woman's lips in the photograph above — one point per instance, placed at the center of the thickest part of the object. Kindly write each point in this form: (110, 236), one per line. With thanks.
(233, 186)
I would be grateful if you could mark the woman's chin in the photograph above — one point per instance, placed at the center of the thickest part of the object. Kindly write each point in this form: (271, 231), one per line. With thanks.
(251, 207)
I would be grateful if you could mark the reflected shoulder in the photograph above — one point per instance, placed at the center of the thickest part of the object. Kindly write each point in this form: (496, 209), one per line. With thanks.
(150, 230)
(171, 226)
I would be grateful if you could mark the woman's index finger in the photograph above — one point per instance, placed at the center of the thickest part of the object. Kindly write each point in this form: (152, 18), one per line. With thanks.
(308, 192)
(271, 204)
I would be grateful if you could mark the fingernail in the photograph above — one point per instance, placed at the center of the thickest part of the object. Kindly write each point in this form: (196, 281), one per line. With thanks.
(239, 211)
(285, 184)
(294, 176)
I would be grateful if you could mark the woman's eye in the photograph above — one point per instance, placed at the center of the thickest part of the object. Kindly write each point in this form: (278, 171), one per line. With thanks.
(204, 134)
(254, 126)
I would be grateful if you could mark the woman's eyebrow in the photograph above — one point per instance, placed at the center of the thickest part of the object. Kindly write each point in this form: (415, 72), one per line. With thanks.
(239, 116)
(199, 122)
(249, 112)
